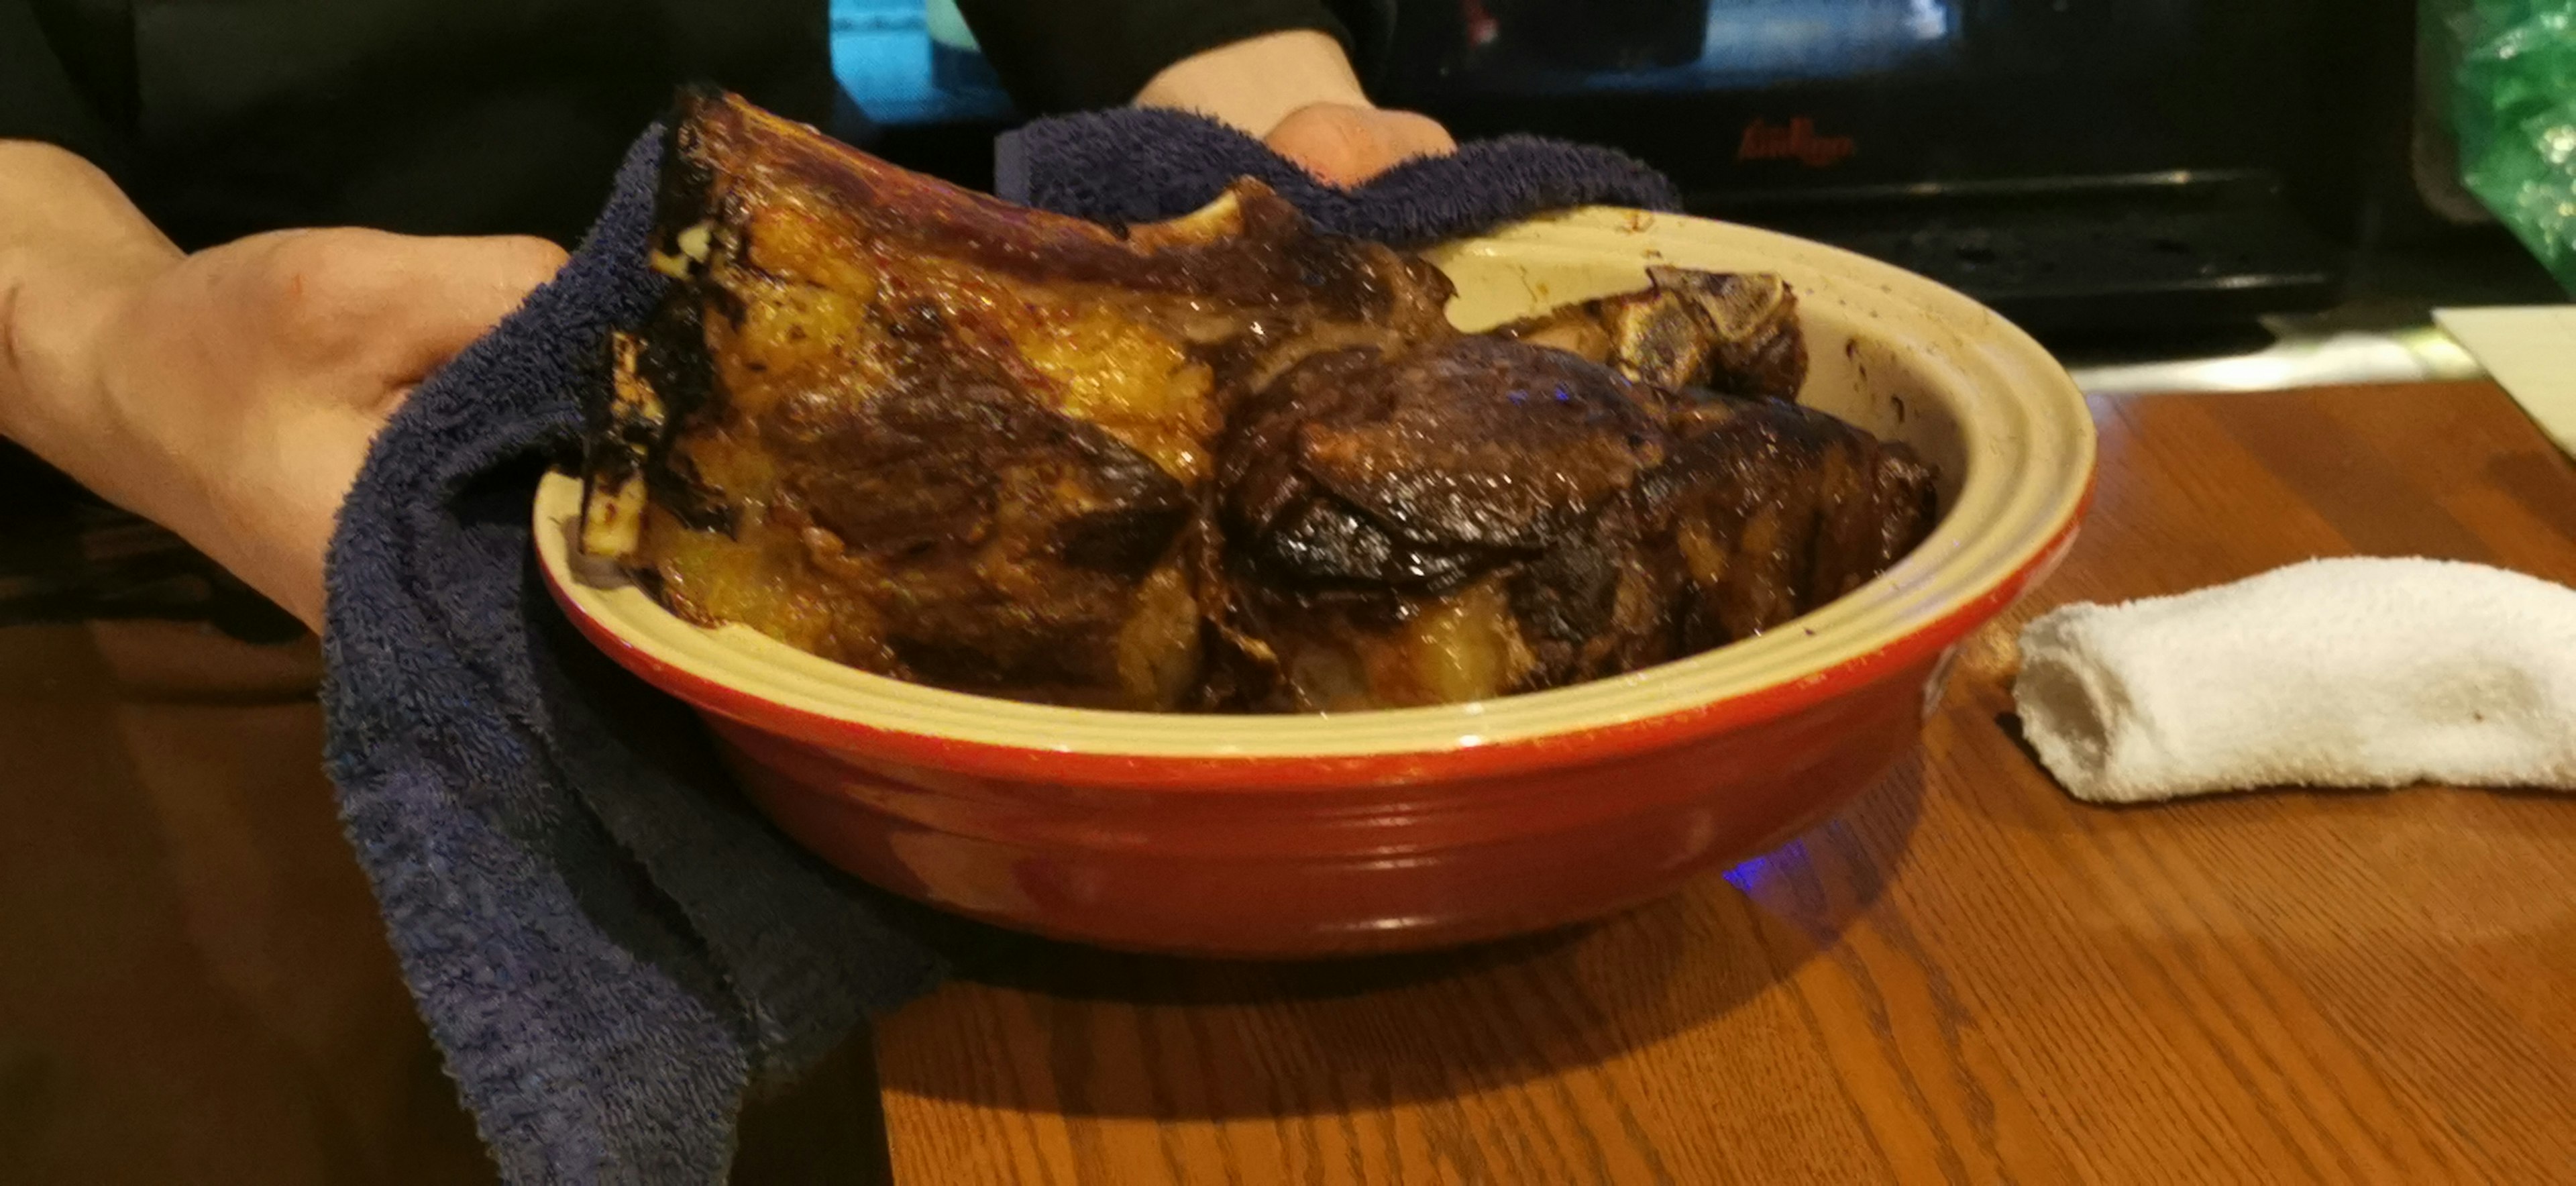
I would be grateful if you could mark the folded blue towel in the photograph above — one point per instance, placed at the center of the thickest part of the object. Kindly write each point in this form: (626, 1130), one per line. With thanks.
(609, 944)
(1130, 166)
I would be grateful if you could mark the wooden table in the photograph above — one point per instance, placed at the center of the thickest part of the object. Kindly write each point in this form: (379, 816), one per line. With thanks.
(1965, 976)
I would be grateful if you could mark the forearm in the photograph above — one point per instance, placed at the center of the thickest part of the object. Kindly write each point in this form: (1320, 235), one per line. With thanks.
(72, 251)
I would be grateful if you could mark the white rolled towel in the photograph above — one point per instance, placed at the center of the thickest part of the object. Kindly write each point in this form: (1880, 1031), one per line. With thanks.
(2331, 673)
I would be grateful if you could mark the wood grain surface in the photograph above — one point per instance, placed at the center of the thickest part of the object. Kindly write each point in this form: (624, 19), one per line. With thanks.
(194, 982)
(1965, 977)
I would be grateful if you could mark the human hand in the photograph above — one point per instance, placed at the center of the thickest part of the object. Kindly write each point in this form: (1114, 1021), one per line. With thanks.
(1345, 145)
(1296, 91)
(230, 395)
(247, 381)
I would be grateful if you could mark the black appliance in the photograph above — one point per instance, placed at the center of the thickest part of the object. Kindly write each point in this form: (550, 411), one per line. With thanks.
(2079, 164)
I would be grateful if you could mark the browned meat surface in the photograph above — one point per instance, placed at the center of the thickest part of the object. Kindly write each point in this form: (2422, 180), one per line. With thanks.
(955, 441)
(1774, 509)
(1777, 509)
(1456, 522)
(1225, 462)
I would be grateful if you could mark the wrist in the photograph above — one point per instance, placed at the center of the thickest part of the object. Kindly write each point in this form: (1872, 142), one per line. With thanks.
(74, 255)
(1255, 83)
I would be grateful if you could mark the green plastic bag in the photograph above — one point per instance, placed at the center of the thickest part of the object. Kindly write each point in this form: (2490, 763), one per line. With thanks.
(2513, 108)
(2512, 112)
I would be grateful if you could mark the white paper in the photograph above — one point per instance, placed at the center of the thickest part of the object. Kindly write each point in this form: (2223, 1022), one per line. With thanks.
(2531, 351)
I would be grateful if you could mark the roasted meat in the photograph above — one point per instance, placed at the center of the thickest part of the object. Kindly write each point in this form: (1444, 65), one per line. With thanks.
(1777, 509)
(943, 438)
(1226, 462)
(1456, 521)
(1774, 509)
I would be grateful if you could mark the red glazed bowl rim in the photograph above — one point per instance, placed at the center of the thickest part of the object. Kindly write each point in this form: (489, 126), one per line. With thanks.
(2022, 436)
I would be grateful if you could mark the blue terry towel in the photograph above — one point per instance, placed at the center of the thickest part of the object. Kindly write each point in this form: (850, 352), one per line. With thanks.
(609, 945)
(1131, 166)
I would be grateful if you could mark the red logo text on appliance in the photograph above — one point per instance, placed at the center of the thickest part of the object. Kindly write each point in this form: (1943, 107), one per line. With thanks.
(1795, 141)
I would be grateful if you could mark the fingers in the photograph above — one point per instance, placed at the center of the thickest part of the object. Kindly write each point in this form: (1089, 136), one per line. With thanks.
(450, 292)
(389, 307)
(473, 283)
(1405, 135)
(1343, 145)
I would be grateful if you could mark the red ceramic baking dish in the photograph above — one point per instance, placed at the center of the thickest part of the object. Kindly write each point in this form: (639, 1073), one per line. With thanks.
(1317, 835)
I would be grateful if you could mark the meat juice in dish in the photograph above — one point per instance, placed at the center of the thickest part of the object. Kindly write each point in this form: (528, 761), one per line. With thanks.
(1227, 462)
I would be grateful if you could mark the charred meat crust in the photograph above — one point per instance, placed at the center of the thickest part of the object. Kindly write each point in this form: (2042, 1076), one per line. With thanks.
(1400, 470)
(921, 477)
(628, 438)
(1777, 509)
(1357, 491)
(1249, 250)
(1225, 462)
(852, 436)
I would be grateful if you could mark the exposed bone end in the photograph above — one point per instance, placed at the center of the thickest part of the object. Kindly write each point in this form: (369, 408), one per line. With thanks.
(1757, 348)
(612, 517)
(1215, 222)
(1738, 304)
(613, 495)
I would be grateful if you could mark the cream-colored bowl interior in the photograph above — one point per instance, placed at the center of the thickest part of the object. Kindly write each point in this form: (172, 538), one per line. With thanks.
(1888, 350)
